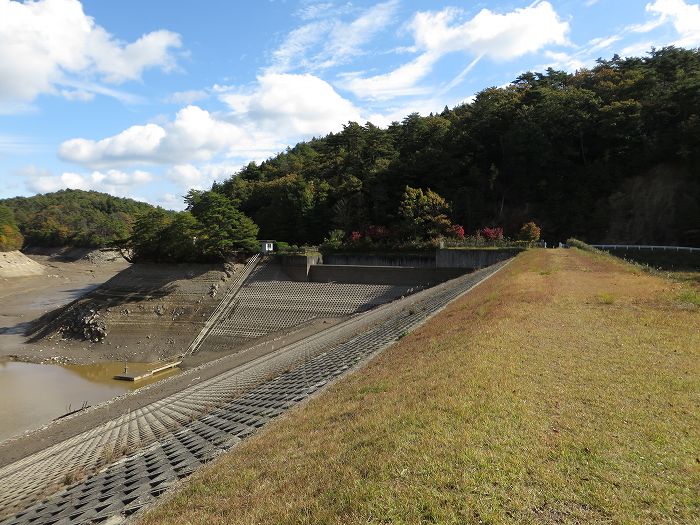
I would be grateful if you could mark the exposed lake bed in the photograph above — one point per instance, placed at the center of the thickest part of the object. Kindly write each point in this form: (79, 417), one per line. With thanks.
(41, 382)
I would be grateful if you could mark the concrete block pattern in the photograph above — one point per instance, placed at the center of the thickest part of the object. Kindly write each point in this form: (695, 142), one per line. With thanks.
(173, 437)
(269, 302)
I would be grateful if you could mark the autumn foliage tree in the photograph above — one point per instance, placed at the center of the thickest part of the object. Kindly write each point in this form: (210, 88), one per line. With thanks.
(529, 232)
(74, 218)
(10, 236)
(424, 214)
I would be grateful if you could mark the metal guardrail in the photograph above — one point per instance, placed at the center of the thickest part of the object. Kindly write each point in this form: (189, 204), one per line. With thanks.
(646, 247)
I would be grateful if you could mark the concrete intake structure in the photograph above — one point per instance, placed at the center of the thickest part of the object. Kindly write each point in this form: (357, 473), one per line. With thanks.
(419, 269)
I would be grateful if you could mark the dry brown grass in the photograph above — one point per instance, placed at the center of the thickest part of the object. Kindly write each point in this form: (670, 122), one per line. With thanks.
(529, 400)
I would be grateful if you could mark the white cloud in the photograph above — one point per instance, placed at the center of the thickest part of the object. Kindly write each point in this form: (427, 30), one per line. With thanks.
(16, 145)
(499, 36)
(88, 88)
(291, 105)
(488, 34)
(114, 182)
(170, 201)
(291, 54)
(137, 143)
(684, 17)
(346, 40)
(278, 109)
(328, 41)
(636, 49)
(48, 43)
(596, 44)
(118, 62)
(199, 178)
(188, 97)
(187, 175)
(77, 94)
(195, 134)
(316, 10)
(564, 61)
(399, 82)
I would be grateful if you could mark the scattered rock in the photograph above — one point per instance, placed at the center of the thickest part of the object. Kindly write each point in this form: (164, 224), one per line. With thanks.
(85, 323)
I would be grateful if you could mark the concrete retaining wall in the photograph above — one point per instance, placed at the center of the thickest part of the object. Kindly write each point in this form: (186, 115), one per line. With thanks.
(394, 275)
(473, 259)
(297, 266)
(418, 260)
(399, 269)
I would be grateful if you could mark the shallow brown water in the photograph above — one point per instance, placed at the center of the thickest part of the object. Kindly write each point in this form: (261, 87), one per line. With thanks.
(103, 373)
(32, 395)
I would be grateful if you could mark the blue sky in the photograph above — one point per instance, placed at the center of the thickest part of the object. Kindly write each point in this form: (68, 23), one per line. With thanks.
(149, 99)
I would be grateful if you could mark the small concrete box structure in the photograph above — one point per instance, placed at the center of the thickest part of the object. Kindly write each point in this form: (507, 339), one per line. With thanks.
(267, 247)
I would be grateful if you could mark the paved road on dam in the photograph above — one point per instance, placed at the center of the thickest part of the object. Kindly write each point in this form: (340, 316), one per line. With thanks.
(135, 457)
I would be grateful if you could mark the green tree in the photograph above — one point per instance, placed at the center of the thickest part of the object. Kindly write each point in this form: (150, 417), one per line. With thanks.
(424, 214)
(179, 239)
(222, 229)
(148, 241)
(10, 236)
(74, 218)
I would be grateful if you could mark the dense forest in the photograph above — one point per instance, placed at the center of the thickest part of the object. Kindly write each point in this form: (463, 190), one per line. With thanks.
(607, 154)
(73, 218)
(604, 154)
(10, 236)
(211, 230)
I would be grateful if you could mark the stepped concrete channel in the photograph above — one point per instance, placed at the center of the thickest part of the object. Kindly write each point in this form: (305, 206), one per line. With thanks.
(132, 459)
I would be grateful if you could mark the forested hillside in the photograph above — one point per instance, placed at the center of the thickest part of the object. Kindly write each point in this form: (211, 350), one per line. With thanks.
(606, 154)
(74, 218)
(10, 237)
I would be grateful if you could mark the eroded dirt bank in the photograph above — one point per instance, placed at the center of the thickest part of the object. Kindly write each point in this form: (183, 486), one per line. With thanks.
(149, 312)
(24, 299)
(16, 264)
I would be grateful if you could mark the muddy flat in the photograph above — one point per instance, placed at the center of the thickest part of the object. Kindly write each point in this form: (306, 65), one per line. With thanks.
(25, 299)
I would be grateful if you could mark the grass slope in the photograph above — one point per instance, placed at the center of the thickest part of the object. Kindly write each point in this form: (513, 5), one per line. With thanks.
(563, 390)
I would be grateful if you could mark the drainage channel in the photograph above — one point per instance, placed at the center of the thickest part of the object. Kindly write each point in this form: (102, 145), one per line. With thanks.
(208, 429)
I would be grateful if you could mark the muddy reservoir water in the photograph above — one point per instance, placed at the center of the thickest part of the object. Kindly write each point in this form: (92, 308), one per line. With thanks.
(33, 395)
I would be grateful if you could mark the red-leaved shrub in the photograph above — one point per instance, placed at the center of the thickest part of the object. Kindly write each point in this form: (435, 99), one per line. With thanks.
(493, 234)
(457, 231)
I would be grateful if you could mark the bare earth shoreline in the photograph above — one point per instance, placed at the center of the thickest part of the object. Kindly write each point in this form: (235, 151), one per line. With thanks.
(26, 298)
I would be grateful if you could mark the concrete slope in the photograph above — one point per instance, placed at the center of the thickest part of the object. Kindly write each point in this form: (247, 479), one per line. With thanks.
(195, 425)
